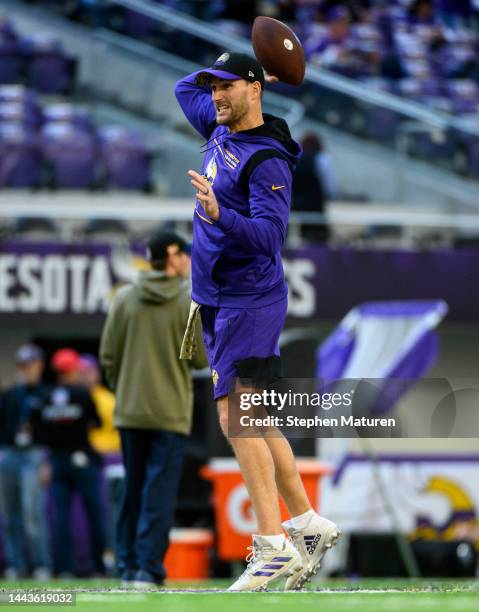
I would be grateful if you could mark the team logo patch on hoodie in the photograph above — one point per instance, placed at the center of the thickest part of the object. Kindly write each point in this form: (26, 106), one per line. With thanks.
(211, 171)
(231, 159)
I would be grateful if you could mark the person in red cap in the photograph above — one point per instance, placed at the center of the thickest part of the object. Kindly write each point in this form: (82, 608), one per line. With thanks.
(63, 424)
(66, 362)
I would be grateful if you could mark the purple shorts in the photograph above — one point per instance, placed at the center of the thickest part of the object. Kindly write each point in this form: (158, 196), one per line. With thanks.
(239, 337)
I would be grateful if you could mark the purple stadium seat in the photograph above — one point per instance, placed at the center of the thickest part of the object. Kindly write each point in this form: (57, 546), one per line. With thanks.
(20, 159)
(305, 15)
(461, 36)
(139, 26)
(19, 112)
(69, 113)
(420, 89)
(7, 30)
(316, 34)
(465, 106)
(452, 59)
(432, 87)
(381, 123)
(416, 68)
(367, 33)
(428, 91)
(126, 158)
(49, 69)
(70, 154)
(18, 93)
(464, 96)
(232, 28)
(10, 62)
(435, 145)
(409, 88)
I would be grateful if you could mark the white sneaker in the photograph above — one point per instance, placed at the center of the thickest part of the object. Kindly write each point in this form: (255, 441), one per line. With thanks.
(42, 574)
(143, 585)
(312, 543)
(11, 573)
(266, 564)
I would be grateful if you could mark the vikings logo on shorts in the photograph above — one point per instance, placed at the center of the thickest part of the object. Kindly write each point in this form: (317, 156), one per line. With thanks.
(215, 377)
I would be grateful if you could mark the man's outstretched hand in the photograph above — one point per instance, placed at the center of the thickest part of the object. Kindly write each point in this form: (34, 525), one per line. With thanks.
(205, 194)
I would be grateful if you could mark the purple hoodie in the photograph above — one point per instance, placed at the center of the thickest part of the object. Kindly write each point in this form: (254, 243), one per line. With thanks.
(236, 260)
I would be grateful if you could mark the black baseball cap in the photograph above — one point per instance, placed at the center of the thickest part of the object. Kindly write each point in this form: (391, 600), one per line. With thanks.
(233, 66)
(160, 241)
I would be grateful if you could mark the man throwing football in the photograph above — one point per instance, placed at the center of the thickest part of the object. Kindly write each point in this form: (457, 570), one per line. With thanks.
(243, 197)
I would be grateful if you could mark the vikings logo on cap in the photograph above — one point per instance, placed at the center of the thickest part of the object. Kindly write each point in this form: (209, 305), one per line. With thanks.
(222, 59)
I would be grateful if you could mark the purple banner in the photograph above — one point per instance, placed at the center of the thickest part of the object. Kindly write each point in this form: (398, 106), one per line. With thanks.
(52, 278)
(340, 279)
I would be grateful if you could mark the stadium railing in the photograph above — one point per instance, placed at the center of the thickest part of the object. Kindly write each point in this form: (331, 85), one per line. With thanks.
(143, 208)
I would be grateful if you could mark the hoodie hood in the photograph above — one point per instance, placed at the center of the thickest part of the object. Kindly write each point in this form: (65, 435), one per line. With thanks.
(276, 129)
(274, 133)
(156, 287)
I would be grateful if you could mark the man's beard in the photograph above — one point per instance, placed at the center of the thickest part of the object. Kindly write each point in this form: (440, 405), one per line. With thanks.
(236, 114)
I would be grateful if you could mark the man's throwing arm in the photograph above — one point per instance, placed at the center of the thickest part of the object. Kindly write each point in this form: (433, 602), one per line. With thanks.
(197, 105)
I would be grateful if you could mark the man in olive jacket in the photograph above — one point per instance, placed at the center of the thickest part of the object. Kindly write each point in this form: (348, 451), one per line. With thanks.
(139, 352)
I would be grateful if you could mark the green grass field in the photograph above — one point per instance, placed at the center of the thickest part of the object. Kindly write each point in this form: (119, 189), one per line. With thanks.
(328, 596)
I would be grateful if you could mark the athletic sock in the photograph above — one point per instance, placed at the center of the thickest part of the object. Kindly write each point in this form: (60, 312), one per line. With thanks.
(276, 541)
(301, 521)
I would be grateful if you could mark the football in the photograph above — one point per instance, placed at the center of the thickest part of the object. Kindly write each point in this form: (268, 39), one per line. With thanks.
(278, 50)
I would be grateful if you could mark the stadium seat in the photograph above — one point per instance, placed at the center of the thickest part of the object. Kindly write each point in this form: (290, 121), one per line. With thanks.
(126, 158)
(70, 114)
(10, 62)
(18, 94)
(71, 155)
(35, 228)
(20, 112)
(101, 230)
(139, 26)
(49, 70)
(20, 158)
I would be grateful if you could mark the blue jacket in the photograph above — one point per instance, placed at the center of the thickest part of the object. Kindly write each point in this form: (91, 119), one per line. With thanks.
(236, 260)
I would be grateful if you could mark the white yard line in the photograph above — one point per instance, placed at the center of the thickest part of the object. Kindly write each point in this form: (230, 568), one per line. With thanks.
(88, 595)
